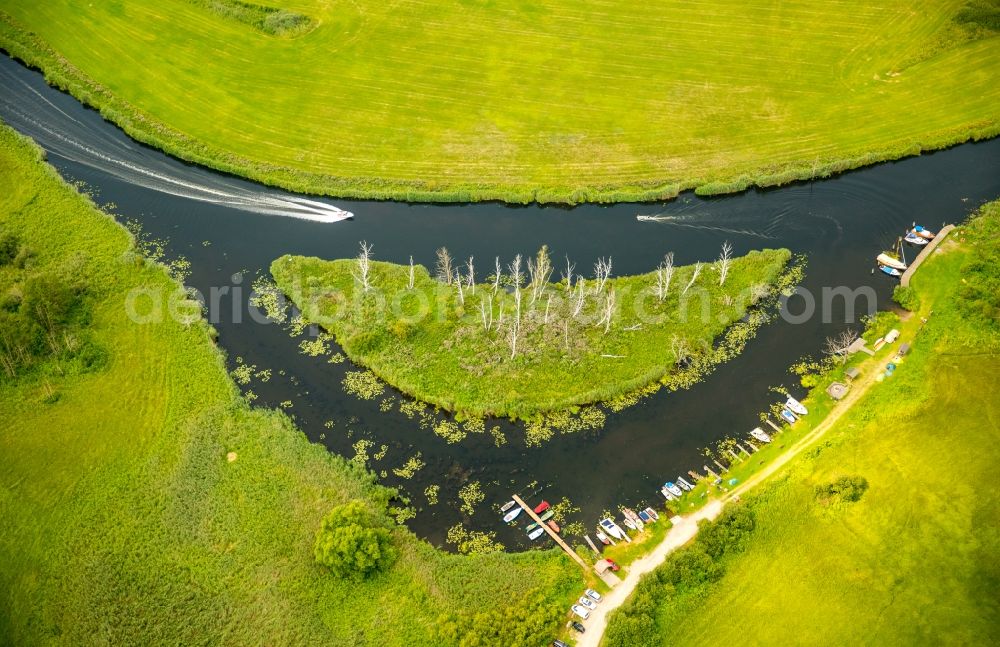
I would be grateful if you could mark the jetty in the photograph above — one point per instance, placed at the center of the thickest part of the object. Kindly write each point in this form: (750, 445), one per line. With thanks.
(924, 253)
(552, 533)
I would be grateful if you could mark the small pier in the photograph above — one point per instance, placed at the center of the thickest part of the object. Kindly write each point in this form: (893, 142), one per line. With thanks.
(552, 533)
(924, 253)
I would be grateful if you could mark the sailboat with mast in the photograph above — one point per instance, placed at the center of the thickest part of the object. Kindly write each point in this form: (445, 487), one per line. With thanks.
(892, 262)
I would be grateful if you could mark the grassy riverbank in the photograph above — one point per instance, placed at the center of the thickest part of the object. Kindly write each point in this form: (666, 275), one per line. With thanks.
(126, 522)
(551, 101)
(474, 350)
(913, 559)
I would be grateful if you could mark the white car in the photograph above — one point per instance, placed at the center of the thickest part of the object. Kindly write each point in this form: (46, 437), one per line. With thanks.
(587, 602)
(593, 595)
(580, 611)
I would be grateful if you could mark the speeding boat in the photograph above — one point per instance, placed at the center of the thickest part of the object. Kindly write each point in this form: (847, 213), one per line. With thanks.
(542, 507)
(536, 533)
(760, 435)
(654, 515)
(603, 538)
(612, 528)
(510, 516)
(788, 415)
(915, 239)
(673, 489)
(507, 506)
(891, 271)
(923, 233)
(797, 407)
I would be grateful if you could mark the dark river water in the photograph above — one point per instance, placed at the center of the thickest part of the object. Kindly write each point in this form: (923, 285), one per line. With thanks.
(225, 225)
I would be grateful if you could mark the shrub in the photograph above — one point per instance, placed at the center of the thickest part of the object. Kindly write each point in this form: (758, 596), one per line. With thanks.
(846, 488)
(907, 298)
(351, 543)
(9, 246)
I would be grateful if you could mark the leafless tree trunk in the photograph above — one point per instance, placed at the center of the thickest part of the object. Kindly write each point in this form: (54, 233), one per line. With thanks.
(548, 304)
(839, 345)
(602, 270)
(540, 270)
(409, 284)
(461, 291)
(470, 275)
(664, 274)
(581, 295)
(568, 275)
(482, 311)
(445, 271)
(694, 277)
(724, 257)
(679, 347)
(609, 310)
(516, 276)
(362, 273)
(496, 276)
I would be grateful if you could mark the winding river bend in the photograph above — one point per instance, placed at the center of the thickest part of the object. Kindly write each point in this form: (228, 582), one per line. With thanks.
(226, 226)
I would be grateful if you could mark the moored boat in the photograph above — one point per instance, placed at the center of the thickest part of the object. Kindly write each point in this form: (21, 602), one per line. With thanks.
(889, 261)
(788, 415)
(891, 271)
(552, 524)
(629, 524)
(510, 516)
(666, 493)
(922, 232)
(601, 537)
(536, 533)
(797, 407)
(915, 239)
(760, 435)
(653, 514)
(645, 517)
(673, 489)
(684, 484)
(542, 507)
(612, 528)
(545, 516)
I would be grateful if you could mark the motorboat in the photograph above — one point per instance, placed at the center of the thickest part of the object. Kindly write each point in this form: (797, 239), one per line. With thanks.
(760, 435)
(654, 515)
(788, 415)
(891, 271)
(510, 516)
(630, 524)
(797, 407)
(666, 493)
(542, 507)
(922, 232)
(673, 489)
(645, 517)
(915, 239)
(601, 537)
(889, 261)
(612, 528)
(684, 484)
(536, 533)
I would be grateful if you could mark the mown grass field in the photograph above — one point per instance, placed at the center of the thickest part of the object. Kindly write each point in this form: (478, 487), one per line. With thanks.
(549, 100)
(432, 342)
(914, 561)
(124, 522)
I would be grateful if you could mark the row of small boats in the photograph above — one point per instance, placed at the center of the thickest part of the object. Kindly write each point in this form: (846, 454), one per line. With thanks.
(609, 528)
(893, 262)
(511, 511)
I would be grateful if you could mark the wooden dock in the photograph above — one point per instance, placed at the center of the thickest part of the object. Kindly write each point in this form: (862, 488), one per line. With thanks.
(924, 253)
(552, 533)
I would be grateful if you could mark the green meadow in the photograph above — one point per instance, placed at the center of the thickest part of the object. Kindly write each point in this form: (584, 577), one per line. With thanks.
(913, 559)
(525, 346)
(542, 100)
(144, 502)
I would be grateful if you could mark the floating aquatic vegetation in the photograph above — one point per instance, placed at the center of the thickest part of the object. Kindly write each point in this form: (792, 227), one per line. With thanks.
(412, 465)
(363, 384)
(450, 431)
(471, 495)
(337, 358)
(499, 439)
(473, 542)
(316, 347)
(286, 404)
(243, 372)
(267, 297)
(361, 448)
(431, 492)
(381, 452)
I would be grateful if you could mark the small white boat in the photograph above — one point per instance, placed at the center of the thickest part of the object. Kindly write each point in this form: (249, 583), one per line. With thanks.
(923, 233)
(797, 407)
(612, 528)
(666, 493)
(684, 484)
(889, 261)
(914, 239)
(673, 489)
(601, 537)
(507, 506)
(629, 524)
(891, 271)
(536, 533)
(636, 519)
(510, 516)
(760, 435)
(653, 514)
(788, 415)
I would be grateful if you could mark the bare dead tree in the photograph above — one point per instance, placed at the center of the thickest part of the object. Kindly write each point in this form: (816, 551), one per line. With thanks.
(548, 304)
(512, 334)
(694, 277)
(608, 312)
(839, 345)
(470, 275)
(581, 295)
(482, 311)
(540, 270)
(568, 274)
(445, 266)
(664, 274)
(362, 272)
(725, 256)
(516, 275)
(680, 348)
(758, 291)
(459, 284)
(496, 276)
(602, 270)
(409, 284)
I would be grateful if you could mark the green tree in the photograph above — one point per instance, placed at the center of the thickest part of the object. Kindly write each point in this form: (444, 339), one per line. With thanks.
(352, 543)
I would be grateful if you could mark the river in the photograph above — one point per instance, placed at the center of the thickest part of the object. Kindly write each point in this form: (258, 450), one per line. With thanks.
(226, 226)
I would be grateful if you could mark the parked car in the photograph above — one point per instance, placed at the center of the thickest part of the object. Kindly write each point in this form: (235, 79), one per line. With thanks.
(614, 565)
(593, 595)
(559, 643)
(580, 611)
(587, 602)
(577, 627)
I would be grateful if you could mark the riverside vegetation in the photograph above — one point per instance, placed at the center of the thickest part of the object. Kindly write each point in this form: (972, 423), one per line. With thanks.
(562, 101)
(871, 535)
(520, 345)
(145, 502)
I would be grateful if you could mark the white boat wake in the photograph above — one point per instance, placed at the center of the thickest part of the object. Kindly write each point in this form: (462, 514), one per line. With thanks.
(62, 135)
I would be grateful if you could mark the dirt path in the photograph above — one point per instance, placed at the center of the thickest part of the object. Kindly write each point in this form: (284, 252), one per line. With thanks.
(685, 530)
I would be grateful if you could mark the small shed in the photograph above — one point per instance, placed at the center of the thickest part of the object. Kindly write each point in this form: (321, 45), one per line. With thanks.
(892, 336)
(837, 390)
(852, 373)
